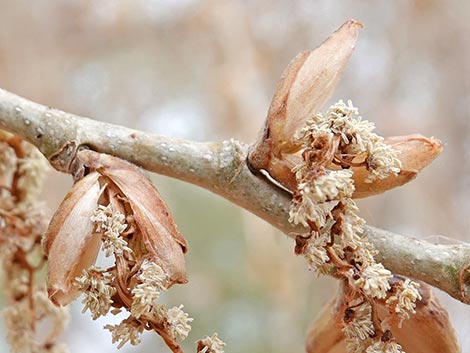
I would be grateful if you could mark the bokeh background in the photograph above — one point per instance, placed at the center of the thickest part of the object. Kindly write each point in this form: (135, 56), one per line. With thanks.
(206, 70)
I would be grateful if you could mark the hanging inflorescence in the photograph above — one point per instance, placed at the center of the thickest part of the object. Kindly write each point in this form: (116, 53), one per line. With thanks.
(333, 145)
(22, 223)
(115, 207)
(134, 283)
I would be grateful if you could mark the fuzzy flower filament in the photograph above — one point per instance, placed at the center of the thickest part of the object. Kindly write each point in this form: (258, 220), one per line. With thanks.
(358, 322)
(179, 322)
(374, 281)
(127, 331)
(145, 294)
(212, 344)
(403, 300)
(97, 292)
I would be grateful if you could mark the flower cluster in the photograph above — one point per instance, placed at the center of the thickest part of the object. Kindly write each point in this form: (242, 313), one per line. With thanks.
(97, 291)
(111, 224)
(179, 322)
(354, 139)
(22, 223)
(358, 322)
(402, 300)
(148, 282)
(316, 195)
(334, 145)
(128, 330)
(374, 281)
(211, 344)
(145, 294)
(113, 206)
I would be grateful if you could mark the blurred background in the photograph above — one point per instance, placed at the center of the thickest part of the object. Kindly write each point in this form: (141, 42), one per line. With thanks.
(206, 70)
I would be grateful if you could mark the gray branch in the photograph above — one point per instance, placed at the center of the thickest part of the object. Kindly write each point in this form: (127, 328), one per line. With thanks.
(221, 168)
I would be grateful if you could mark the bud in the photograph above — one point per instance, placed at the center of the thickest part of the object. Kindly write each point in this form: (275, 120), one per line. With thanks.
(429, 330)
(305, 86)
(72, 240)
(160, 234)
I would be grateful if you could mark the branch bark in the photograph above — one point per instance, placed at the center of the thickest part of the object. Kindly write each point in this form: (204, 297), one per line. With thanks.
(221, 168)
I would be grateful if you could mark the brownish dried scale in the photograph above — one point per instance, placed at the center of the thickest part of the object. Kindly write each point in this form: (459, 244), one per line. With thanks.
(305, 86)
(160, 234)
(69, 242)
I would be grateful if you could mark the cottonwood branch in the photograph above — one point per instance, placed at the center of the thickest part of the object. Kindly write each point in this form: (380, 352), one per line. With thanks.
(221, 168)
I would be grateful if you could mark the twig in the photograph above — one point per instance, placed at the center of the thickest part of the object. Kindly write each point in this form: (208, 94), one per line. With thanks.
(221, 168)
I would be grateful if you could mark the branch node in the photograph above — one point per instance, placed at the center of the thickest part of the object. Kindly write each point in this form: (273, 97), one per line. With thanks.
(62, 159)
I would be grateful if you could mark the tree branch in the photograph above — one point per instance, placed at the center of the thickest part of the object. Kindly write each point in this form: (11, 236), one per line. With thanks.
(221, 168)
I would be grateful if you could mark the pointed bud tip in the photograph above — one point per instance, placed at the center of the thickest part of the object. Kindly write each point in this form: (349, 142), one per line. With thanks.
(416, 151)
